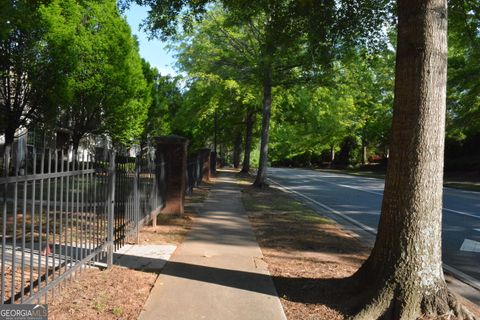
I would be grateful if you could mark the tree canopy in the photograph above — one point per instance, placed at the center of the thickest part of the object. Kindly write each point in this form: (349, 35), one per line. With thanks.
(72, 65)
(106, 90)
(269, 43)
(29, 77)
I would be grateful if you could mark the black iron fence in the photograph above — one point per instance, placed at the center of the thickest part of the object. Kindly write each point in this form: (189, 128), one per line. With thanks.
(63, 211)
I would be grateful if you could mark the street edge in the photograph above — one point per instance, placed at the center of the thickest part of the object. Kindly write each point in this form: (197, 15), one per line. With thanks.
(372, 232)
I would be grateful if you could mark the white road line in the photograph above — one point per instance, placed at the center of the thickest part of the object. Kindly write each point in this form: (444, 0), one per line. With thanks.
(462, 213)
(462, 276)
(455, 272)
(356, 188)
(381, 194)
(355, 222)
(470, 246)
(476, 193)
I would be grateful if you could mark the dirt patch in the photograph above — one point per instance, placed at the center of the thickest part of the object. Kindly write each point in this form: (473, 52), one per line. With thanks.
(305, 253)
(172, 228)
(308, 255)
(199, 194)
(119, 294)
(16, 278)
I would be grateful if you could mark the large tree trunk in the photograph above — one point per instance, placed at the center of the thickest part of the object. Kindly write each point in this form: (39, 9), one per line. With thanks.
(266, 111)
(237, 150)
(403, 277)
(249, 121)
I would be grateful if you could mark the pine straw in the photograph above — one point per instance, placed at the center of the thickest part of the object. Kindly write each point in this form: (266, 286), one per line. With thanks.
(307, 254)
(117, 293)
(121, 293)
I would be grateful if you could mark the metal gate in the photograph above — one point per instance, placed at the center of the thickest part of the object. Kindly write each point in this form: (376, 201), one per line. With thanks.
(64, 210)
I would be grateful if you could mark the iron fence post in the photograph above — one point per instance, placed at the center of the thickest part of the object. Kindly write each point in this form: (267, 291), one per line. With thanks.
(6, 166)
(111, 208)
(136, 200)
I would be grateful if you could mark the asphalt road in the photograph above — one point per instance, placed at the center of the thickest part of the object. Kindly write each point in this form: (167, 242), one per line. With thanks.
(358, 200)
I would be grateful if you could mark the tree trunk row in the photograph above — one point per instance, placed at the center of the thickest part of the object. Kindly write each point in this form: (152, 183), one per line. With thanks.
(266, 113)
(249, 121)
(237, 150)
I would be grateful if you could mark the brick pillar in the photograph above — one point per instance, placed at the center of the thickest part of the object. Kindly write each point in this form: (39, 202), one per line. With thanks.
(205, 156)
(173, 149)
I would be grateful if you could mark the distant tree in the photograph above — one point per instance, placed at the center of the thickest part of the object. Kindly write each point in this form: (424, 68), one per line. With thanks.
(106, 90)
(166, 101)
(294, 38)
(369, 77)
(308, 119)
(226, 52)
(353, 100)
(464, 53)
(249, 124)
(208, 97)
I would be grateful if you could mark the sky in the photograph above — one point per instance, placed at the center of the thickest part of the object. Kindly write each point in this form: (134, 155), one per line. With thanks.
(153, 51)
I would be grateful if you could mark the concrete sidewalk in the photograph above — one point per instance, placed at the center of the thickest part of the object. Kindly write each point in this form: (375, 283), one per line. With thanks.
(218, 272)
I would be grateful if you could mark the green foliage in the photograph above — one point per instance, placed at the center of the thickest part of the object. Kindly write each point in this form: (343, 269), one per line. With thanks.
(204, 98)
(355, 100)
(324, 25)
(29, 78)
(330, 63)
(463, 116)
(220, 59)
(166, 101)
(309, 120)
(262, 44)
(106, 91)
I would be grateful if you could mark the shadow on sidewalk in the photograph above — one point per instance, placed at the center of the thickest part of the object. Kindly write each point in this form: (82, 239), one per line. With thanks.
(319, 291)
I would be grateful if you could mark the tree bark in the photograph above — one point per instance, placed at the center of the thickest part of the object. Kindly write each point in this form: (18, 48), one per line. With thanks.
(403, 277)
(266, 112)
(364, 152)
(249, 121)
(237, 150)
(221, 156)
(332, 154)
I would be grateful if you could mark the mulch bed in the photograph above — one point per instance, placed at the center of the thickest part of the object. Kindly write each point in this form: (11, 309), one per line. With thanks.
(308, 256)
(120, 293)
(117, 293)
